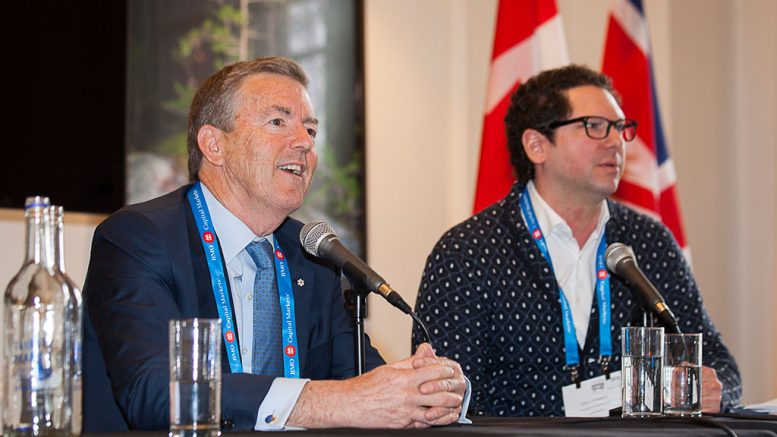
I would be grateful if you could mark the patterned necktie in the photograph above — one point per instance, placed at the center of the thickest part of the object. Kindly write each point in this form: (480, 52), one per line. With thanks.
(266, 358)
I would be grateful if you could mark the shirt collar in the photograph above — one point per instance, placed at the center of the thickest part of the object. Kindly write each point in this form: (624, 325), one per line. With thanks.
(549, 220)
(233, 234)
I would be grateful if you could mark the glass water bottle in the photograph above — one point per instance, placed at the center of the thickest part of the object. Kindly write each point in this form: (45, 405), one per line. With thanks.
(36, 318)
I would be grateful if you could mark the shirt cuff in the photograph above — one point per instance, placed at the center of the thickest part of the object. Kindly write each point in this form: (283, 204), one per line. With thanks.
(465, 404)
(279, 403)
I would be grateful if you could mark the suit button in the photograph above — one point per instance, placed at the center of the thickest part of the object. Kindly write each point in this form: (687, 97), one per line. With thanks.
(228, 424)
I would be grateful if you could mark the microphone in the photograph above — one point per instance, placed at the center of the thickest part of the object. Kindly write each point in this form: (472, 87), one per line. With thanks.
(319, 239)
(620, 261)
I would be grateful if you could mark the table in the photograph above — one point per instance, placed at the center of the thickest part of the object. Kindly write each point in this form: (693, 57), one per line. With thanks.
(743, 426)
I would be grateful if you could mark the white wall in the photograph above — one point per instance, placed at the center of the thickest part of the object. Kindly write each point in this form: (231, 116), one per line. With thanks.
(427, 64)
(78, 240)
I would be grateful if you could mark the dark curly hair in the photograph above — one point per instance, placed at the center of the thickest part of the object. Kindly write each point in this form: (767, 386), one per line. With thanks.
(540, 101)
(214, 102)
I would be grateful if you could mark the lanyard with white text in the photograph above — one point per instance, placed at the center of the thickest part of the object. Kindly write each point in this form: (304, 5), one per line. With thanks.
(602, 293)
(286, 296)
(289, 330)
(217, 278)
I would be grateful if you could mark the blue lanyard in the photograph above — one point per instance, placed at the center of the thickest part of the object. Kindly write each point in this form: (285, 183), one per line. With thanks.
(218, 281)
(289, 320)
(602, 294)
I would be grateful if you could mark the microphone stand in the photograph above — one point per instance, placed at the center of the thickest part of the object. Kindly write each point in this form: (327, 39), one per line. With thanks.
(357, 299)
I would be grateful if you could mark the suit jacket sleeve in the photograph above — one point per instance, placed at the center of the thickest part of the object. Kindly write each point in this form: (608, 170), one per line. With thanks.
(131, 294)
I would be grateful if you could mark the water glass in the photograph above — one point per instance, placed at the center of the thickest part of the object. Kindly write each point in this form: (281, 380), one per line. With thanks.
(195, 377)
(641, 371)
(682, 375)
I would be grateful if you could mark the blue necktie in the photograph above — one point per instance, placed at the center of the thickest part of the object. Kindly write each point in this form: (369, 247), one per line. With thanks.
(266, 358)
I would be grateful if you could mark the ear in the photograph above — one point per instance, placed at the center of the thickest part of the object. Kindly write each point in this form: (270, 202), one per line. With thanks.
(535, 145)
(210, 140)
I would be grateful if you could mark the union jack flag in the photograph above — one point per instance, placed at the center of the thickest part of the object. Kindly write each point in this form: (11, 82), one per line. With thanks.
(648, 183)
(529, 38)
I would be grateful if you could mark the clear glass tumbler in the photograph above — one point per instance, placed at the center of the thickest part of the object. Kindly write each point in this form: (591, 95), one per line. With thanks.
(195, 378)
(682, 375)
(641, 366)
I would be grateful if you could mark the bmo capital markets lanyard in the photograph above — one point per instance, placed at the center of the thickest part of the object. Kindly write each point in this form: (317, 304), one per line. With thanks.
(218, 283)
(602, 293)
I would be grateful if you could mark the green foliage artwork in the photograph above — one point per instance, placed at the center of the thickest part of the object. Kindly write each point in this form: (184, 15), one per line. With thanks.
(175, 44)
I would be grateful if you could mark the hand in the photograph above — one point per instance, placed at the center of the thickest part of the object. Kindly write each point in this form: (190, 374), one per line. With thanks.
(425, 356)
(389, 396)
(711, 390)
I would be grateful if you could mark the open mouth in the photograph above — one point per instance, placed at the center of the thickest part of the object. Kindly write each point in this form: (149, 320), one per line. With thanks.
(294, 169)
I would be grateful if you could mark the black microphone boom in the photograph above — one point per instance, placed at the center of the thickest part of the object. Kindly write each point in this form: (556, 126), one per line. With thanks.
(320, 240)
(621, 262)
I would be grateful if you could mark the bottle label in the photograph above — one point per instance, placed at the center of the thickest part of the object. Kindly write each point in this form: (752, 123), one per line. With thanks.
(37, 366)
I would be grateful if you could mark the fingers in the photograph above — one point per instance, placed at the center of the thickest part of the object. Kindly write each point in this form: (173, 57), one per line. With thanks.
(435, 416)
(438, 416)
(440, 391)
(419, 362)
(432, 370)
(446, 400)
(709, 377)
(424, 351)
(433, 388)
(456, 383)
(711, 389)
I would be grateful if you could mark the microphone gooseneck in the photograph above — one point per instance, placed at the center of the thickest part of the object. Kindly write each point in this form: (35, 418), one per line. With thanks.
(621, 261)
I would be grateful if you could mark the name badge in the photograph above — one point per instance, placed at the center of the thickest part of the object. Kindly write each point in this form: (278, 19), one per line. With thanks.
(595, 397)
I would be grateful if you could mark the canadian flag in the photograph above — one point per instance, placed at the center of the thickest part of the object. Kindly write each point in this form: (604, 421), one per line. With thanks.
(648, 183)
(529, 38)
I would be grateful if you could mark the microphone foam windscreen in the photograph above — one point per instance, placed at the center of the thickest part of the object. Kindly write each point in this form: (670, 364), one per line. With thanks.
(311, 235)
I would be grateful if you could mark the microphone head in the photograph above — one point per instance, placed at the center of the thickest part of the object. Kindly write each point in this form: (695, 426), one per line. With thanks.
(615, 254)
(312, 234)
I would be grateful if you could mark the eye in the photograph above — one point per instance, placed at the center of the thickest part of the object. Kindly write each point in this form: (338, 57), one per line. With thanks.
(277, 122)
(312, 132)
(596, 124)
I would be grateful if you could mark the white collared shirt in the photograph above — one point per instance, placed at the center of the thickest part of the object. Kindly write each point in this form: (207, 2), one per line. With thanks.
(234, 236)
(574, 267)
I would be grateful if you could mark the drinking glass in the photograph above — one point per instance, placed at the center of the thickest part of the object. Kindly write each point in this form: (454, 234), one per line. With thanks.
(195, 377)
(641, 371)
(682, 375)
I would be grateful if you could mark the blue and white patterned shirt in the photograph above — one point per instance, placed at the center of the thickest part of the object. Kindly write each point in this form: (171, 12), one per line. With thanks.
(491, 302)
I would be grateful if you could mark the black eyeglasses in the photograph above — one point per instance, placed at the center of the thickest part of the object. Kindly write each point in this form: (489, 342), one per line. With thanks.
(598, 128)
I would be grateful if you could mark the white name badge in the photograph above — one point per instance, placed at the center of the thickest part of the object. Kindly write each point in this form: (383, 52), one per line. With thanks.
(595, 397)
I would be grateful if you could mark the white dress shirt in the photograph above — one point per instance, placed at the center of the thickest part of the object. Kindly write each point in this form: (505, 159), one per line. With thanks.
(234, 236)
(574, 267)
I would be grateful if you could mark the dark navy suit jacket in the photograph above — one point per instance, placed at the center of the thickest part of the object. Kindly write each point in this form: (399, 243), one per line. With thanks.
(148, 266)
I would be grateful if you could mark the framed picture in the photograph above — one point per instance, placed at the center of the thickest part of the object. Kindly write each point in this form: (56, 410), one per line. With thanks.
(175, 44)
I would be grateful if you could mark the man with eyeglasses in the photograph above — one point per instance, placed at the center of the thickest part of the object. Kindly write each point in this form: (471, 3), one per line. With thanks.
(515, 293)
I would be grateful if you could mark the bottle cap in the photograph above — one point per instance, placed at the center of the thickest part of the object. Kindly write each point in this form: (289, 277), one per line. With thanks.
(33, 201)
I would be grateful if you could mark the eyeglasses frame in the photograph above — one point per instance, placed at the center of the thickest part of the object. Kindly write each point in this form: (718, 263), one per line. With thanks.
(625, 124)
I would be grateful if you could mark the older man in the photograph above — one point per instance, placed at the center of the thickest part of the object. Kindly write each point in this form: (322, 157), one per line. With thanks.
(225, 247)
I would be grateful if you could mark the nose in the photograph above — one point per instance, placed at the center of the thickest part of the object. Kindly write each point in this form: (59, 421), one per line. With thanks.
(614, 138)
(302, 139)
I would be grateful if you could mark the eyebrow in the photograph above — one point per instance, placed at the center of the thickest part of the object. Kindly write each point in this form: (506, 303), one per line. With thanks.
(288, 112)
